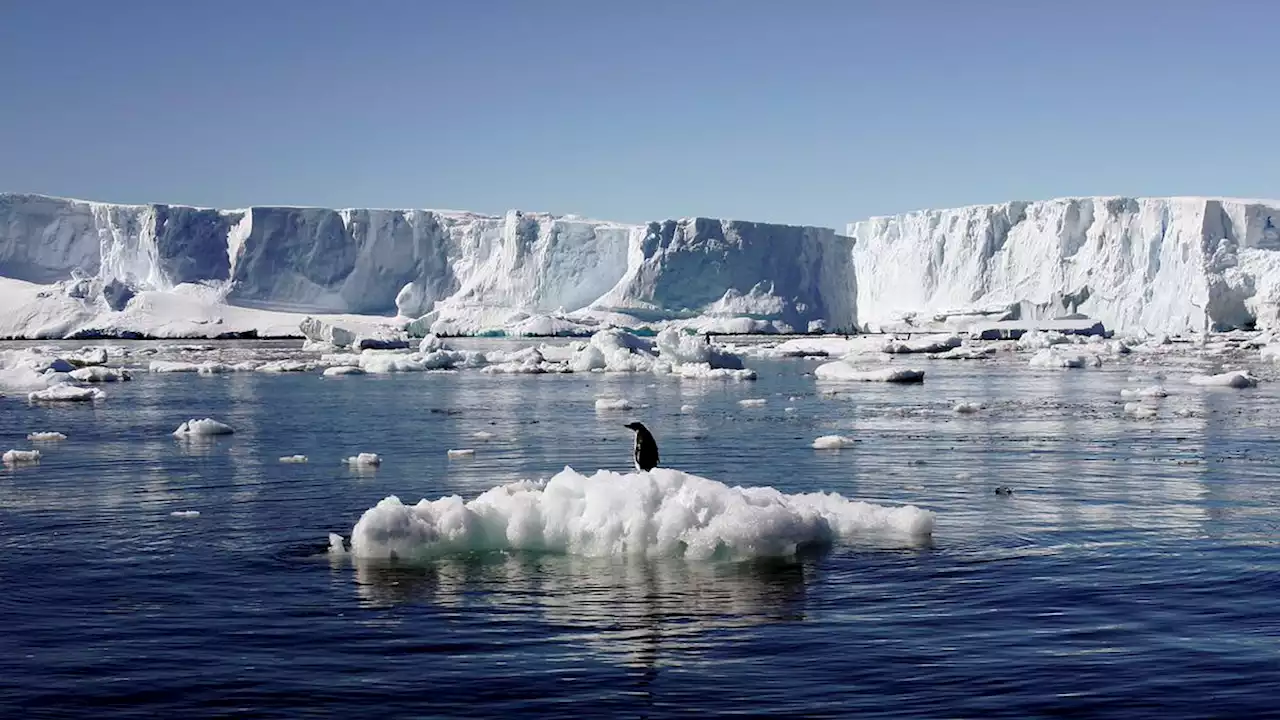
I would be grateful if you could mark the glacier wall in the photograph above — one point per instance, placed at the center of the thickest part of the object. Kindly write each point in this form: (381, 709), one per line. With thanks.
(1137, 264)
(415, 262)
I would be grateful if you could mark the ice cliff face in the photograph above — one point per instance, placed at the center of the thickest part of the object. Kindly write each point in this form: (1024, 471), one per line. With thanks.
(1154, 264)
(450, 264)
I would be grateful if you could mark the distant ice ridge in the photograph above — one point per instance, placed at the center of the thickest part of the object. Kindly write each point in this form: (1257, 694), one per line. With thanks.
(455, 272)
(660, 513)
(1136, 264)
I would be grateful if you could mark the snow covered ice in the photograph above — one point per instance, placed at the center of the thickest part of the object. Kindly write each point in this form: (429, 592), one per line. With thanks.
(364, 459)
(833, 442)
(659, 513)
(20, 457)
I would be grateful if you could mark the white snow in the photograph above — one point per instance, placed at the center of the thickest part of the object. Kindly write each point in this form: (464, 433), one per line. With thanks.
(833, 442)
(1238, 379)
(51, 436)
(663, 512)
(842, 371)
(66, 393)
(364, 459)
(1153, 264)
(20, 457)
(293, 459)
(207, 426)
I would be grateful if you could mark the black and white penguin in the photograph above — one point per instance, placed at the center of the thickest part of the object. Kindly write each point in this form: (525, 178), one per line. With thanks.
(646, 447)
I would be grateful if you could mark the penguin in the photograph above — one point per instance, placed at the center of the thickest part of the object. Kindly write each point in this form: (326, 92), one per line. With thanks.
(646, 454)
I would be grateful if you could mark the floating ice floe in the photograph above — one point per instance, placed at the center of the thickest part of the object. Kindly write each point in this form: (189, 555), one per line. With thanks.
(461, 453)
(612, 404)
(99, 374)
(1139, 410)
(338, 370)
(927, 344)
(1054, 358)
(205, 427)
(658, 513)
(293, 459)
(20, 457)
(833, 442)
(687, 408)
(364, 459)
(843, 371)
(286, 366)
(753, 402)
(967, 408)
(66, 393)
(46, 436)
(1238, 379)
(482, 435)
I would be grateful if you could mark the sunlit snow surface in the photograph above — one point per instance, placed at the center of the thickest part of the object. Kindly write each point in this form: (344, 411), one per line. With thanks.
(1131, 562)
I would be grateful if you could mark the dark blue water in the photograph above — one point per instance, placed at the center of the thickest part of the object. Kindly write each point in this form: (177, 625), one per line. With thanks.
(1133, 572)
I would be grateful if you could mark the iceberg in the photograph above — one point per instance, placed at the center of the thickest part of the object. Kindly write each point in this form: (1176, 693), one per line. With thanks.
(72, 268)
(1169, 265)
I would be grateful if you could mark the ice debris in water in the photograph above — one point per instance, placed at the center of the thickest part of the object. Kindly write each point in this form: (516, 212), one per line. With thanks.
(1155, 391)
(613, 404)
(293, 459)
(833, 442)
(662, 512)
(461, 453)
(1139, 411)
(364, 458)
(1238, 379)
(207, 426)
(46, 436)
(482, 435)
(687, 408)
(66, 393)
(185, 513)
(20, 457)
(967, 408)
(753, 402)
(1055, 358)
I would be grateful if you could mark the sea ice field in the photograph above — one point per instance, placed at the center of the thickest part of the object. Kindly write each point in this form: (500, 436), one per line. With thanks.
(958, 528)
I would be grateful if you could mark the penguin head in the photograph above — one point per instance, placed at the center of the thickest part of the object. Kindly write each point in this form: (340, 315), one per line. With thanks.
(635, 426)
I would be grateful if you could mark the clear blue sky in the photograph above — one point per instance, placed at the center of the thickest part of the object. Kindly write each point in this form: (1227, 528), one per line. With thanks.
(809, 111)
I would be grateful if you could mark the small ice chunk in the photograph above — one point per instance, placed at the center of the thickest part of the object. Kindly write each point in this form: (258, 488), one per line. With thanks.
(293, 459)
(687, 408)
(207, 426)
(1155, 391)
(613, 404)
(788, 410)
(1140, 411)
(99, 374)
(185, 513)
(1054, 358)
(66, 393)
(482, 435)
(20, 457)
(461, 453)
(752, 402)
(966, 408)
(1238, 379)
(45, 436)
(336, 545)
(833, 442)
(364, 458)
(343, 370)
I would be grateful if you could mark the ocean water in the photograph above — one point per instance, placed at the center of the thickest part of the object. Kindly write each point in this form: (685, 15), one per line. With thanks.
(1132, 572)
